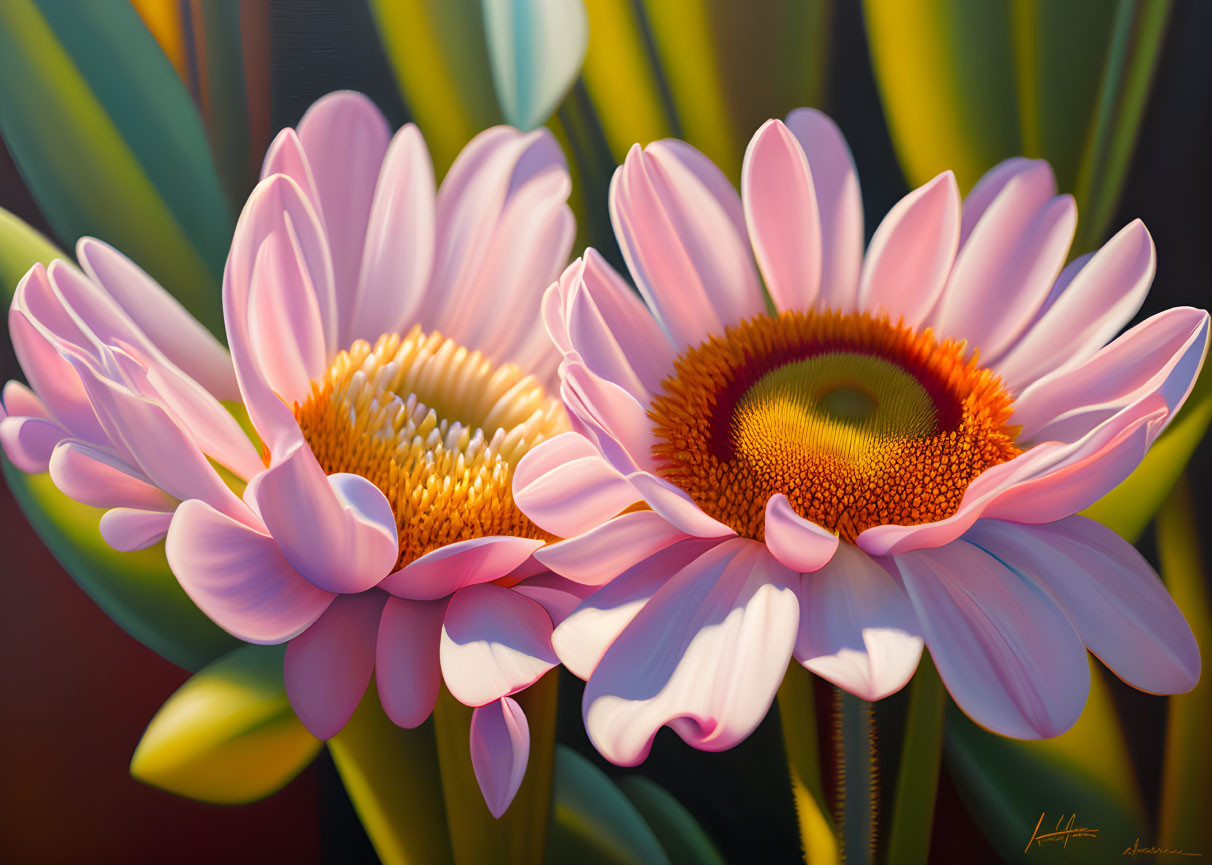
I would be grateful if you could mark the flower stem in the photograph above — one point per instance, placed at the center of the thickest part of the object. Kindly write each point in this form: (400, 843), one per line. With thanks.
(391, 776)
(797, 713)
(857, 776)
(917, 777)
(520, 836)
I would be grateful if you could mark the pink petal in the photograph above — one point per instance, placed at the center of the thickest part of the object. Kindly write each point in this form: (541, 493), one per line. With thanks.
(278, 229)
(29, 442)
(678, 508)
(95, 477)
(407, 669)
(1110, 593)
(500, 749)
(612, 409)
(495, 642)
(285, 156)
(398, 254)
(1162, 354)
(1014, 255)
(127, 529)
(583, 636)
(345, 138)
(598, 555)
(18, 400)
(682, 231)
(528, 241)
(782, 215)
(1102, 297)
(239, 578)
(173, 331)
(798, 543)
(1089, 469)
(338, 531)
(1003, 648)
(329, 665)
(911, 253)
(990, 187)
(566, 488)
(857, 628)
(840, 205)
(704, 656)
(447, 569)
(612, 331)
(558, 596)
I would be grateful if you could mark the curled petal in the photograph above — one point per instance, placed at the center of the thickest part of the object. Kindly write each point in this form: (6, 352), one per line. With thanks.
(500, 749)
(798, 543)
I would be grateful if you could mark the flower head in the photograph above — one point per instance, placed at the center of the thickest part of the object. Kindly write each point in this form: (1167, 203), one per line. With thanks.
(373, 525)
(879, 452)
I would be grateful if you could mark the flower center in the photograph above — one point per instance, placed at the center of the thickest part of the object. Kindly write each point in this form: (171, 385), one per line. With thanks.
(436, 427)
(858, 421)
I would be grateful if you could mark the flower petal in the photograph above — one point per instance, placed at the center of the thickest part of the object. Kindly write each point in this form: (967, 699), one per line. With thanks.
(407, 669)
(96, 477)
(857, 628)
(782, 215)
(29, 442)
(398, 254)
(239, 578)
(495, 642)
(583, 637)
(911, 253)
(1115, 600)
(329, 665)
(345, 138)
(173, 331)
(338, 531)
(447, 569)
(1162, 354)
(128, 529)
(798, 543)
(704, 656)
(1101, 298)
(500, 749)
(839, 203)
(1002, 646)
(605, 551)
(566, 488)
(681, 228)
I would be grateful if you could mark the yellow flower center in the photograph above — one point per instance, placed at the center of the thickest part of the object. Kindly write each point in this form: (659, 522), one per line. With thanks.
(438, 428)
(858, 421)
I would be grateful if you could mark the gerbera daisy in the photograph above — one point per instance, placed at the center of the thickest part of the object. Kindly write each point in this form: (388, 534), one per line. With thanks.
(374, 526)
(881, 451)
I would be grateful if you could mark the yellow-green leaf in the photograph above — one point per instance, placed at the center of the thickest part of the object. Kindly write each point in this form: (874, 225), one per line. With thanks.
(21, 246)
(681, 836)
(797, 716)
(228, 735)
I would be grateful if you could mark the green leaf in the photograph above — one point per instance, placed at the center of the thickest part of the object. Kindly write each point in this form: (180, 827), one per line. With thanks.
(228, 735)
(1128, 508)
(21, 246)
(520, 835)
(1011, 786)
(109, 145)
(594, 823)
(946, 75)
(137, 590)
(917, 775)
(391, 776)
(1186, 782)
(679, 833)
(439, 53)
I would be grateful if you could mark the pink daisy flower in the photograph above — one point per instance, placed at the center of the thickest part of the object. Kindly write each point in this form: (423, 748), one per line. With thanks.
(375, 530)
(888, 454)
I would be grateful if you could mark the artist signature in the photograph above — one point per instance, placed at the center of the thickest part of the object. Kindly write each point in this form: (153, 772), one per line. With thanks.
(1069, 830)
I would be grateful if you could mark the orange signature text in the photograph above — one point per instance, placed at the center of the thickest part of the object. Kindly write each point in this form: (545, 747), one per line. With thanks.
(1064, 832)
(1137, 850)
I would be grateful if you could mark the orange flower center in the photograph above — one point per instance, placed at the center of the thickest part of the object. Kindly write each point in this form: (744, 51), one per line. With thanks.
(858, 421)
(436, 427)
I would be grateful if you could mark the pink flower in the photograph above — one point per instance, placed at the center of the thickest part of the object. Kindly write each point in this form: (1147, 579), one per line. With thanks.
(891, 454)
(365, 313)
